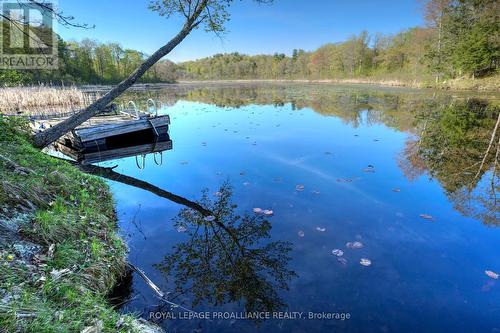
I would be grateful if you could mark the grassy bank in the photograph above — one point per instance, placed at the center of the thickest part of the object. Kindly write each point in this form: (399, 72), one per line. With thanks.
(59, 252)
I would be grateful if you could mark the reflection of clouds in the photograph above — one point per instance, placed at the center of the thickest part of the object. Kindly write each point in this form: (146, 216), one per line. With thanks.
(299, 163)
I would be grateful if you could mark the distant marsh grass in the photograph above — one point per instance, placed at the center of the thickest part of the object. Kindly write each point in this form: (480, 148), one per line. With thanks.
(42, 100)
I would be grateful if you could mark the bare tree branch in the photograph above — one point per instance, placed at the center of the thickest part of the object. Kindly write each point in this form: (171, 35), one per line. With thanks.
(487, 153)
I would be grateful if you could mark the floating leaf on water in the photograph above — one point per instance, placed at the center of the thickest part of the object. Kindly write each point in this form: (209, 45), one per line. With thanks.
(181, 229)
(354, 245)
(268, 212)
(257, 210)
(338, 252)
(209, 218)
(369, 170)
(365, 262)
(341, 260)
(301, 233)
(492, 274)
(320, 229)
(299, 188)
(426, 216)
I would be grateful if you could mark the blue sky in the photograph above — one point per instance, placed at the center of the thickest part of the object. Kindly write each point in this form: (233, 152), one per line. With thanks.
(253, 29)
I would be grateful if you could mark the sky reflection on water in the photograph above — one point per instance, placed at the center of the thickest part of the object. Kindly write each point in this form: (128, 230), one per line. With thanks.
(369, 164)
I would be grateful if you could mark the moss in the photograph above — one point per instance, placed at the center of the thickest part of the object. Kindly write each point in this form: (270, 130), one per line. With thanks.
(63, 288)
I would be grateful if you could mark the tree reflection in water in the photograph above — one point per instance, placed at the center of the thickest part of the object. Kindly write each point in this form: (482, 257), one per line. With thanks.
(457, 144)
(226, 260)
(449, 134)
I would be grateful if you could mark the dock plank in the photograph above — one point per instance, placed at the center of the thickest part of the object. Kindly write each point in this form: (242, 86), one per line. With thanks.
(98, 132)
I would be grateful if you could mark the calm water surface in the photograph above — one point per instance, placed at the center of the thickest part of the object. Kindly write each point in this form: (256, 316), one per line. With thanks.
(394, 170)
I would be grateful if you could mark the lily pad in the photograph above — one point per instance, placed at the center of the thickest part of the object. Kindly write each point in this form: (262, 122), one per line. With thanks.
(365, 262)
(354, 245)
(268, 212)
(369, 168)
(492, 274)
(338, 252)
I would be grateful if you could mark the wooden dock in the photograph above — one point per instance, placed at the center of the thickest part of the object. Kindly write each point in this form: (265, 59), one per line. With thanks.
(127, 149)
(112, 135)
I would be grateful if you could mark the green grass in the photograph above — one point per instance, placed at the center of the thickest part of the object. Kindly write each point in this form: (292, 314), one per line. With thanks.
(73, 213)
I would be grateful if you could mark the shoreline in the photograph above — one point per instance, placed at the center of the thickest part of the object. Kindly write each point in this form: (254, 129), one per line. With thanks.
(489, 85)
(60, 251)
(477, 85)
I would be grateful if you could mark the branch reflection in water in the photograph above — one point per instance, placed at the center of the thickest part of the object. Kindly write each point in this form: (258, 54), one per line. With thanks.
(226, 258)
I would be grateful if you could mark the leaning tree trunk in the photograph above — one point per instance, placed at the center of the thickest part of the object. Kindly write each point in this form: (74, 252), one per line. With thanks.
(46, 137)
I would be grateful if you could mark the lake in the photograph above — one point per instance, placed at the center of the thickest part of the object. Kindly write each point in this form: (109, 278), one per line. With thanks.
(318, 208)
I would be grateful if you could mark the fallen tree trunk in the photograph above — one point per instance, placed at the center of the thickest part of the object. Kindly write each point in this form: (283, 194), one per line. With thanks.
(42, 139)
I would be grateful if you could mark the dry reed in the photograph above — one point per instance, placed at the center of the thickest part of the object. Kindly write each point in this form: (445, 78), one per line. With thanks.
(42, 100)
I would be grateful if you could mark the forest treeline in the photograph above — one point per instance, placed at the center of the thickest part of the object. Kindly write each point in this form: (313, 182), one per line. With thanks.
(91, 62)
(460, 40)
